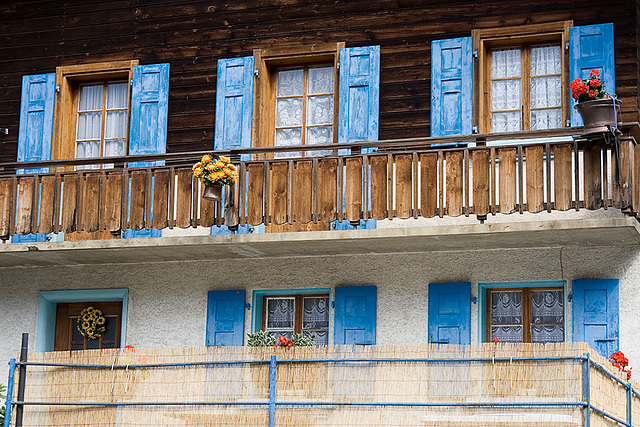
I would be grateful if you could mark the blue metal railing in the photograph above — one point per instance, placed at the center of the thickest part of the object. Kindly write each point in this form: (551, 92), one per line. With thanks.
(272, 403)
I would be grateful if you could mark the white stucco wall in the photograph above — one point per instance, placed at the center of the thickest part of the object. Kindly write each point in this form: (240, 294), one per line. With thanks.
(167, 301)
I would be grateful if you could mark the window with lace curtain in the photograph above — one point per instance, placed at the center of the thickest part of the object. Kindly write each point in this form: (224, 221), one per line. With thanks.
(297, 92)
(294, 314)
(522, 77)
(102, 120)
(526, 315)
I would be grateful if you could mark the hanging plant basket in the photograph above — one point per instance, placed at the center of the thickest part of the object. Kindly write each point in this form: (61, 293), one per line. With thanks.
(599, 115)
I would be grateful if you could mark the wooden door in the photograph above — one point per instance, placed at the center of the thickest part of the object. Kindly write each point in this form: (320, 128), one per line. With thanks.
(67, 335)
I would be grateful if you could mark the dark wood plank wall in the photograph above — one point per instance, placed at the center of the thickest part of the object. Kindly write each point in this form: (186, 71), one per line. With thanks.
(36, 36)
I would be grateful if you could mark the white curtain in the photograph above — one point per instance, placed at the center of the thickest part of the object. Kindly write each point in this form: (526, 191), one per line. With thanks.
(506, 94)
(546, 87)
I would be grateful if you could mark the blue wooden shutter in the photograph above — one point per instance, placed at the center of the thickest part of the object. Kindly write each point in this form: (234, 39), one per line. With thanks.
(359, 96)
(451, 87)
(450, 313)
(591, 48)
(225, 318)
(234, 113)
(148, 131)
(234, 103)
(595, 314)
(355, 315)
(35, 133)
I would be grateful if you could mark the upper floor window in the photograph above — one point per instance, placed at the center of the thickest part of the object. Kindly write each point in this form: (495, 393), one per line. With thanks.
(294, 314)
(102, 119)
(525, 88)
(304, 105)
(522, 76)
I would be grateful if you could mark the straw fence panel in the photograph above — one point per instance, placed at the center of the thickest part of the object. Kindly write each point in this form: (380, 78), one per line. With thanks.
(329, 386)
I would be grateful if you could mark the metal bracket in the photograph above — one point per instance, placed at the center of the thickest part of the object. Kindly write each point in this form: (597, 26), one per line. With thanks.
(566, 46)
(256, 72)
(568, 123)
(4, 131)
(57, 89)
(333, 304)
(338, 66)
(475, 53)
(474, 129)
(570, 297)
(247, 306)
(474, 300)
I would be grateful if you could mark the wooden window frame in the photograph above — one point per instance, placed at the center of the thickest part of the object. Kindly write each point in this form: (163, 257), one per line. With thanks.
(68, 311)
(526, 309)
(504, 37)
(267, 62)
(68, 81)
(299, 303)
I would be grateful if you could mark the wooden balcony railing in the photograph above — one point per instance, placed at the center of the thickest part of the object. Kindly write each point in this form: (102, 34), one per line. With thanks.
(409, 178)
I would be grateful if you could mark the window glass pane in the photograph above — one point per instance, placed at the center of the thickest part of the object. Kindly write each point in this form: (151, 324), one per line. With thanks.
(90, 98)
(115, 147)
(88, 149)
(280, 313)
(506, 307)
(546, 92)
(319, 135)
(507, 333)
(285, 333)
(506, 95)
(110, 328)
(288, 137)
(316, 313)
(547, 333)
(289, 112)
(320, 80)
(506, 122)
(75, 333)
(89, 125)
(77, 346)
(545, 60)
(93, 344)
(546, 119)
(547, 306)
(290, 82)
(320, 110)
(505, 63)
(117, 95)
(321, 337)
(116, 124)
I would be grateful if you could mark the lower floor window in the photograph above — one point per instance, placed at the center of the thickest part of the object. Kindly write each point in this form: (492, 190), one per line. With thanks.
(68, 336)
(525, 315)
(294, 314)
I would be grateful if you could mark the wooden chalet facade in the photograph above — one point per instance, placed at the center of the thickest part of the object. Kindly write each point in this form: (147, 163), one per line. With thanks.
(431, 152)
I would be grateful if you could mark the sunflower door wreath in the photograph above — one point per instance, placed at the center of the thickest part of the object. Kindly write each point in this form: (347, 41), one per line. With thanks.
(91, 323)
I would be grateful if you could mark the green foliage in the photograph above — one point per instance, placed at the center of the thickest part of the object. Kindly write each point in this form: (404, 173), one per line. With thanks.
(302, 341)
(260, 339)
(3, 389)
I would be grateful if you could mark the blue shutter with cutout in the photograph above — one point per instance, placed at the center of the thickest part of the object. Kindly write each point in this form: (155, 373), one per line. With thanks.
(595, 314)
(451, 87)
(225, 318)
(148, 130)
(355, 315)
(591, 48)
(35, 134)
(450, 313)
(359, 96)
(234, 103)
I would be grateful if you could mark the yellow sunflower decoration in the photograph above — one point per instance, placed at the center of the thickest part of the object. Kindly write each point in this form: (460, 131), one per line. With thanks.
(91, 323)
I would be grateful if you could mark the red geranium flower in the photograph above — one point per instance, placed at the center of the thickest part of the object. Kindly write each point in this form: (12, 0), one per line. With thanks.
(594, 73)
(594, 82)
(496, 340)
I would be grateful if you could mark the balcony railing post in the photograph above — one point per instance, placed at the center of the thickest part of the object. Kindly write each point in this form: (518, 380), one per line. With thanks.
(9, 404)
(272, 391)
(586, 392)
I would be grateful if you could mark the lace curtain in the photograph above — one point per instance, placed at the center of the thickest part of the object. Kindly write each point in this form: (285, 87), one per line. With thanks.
(280, 316)
(315, 319)
(506, 88)
(290, 96)
(506, 316)
(547, 316)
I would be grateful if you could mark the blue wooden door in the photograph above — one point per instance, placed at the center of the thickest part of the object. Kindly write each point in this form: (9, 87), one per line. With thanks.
(355, 315)
(148, 130)
(591, 48)
(451, 87)
(595, 314)
(450, 313)
(225, 318)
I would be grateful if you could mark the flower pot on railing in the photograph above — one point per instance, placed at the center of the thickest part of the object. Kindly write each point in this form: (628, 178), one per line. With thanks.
(599, 115)
(212, 192)
(214, 174)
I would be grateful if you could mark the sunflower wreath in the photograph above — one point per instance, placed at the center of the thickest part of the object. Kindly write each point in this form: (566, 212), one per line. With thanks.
(91, 323)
